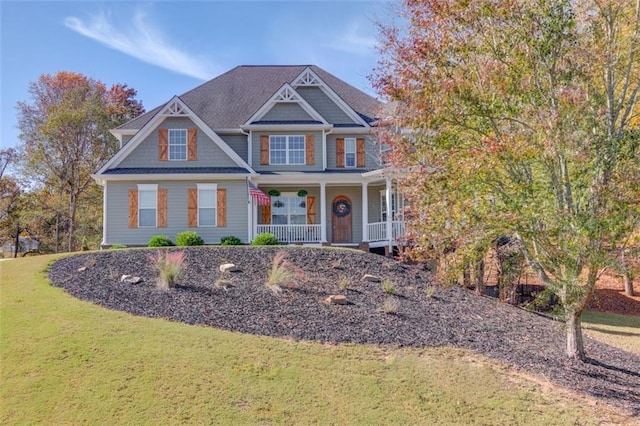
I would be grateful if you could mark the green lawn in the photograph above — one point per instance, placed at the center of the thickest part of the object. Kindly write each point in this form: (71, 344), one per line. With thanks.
(65, 361)
(622, 331)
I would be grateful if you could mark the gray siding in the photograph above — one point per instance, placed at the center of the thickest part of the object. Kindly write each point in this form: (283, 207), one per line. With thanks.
(146, 154)
(317, 145)
(126, 139)
(372, 155)
(286, 111)
(118, 231)
(324, 105)
(238, 143)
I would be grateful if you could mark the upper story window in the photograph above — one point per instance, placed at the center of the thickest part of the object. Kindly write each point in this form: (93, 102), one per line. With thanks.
(207, 204)
(177, 144)
(350, 152)
(286, 149)
(147, 205)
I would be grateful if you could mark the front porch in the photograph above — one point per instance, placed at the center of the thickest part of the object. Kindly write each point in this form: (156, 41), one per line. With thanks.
(364, 213)
(312, 234)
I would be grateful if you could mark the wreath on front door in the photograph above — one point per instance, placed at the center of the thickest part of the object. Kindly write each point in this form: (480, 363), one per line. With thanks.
(341, 208)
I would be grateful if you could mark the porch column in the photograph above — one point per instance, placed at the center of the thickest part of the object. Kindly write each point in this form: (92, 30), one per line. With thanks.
(104, 214)
(365, 211)
(323, 212)
(389, 214)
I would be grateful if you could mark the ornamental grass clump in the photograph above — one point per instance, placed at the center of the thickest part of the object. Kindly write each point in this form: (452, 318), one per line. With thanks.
(168, 266)
(283, 273)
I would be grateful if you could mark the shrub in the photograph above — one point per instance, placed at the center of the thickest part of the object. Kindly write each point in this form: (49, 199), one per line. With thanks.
(390, 306)
(388, 287)
(168, 266)
(430, 291)
(230, 241)
(343, 283)
(189, 238)
(265, 239)
(283, 272)
(160, 241)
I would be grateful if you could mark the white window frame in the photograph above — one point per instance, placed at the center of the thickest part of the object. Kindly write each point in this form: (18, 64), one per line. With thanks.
(292, 197)
(347, 152)
(143, 188)
(208, 187)
(288, 150)
(397, 205)
(176, 145)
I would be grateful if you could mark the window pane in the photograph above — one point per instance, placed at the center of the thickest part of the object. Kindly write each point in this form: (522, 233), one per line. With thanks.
(207, 198)
(278, 157)
(207, 217)
(350, 145)
(278, 219)
(296, 142)
(298, 220)
(146, 199)
(296, 157)
(177, 144)
(147, 217)
(350, 159)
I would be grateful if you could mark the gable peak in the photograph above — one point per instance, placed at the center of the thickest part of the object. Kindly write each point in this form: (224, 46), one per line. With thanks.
(175, 107)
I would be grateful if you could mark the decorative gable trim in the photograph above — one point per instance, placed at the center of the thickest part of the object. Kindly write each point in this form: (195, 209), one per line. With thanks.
(310, 78)
(173, 108)
(286, 94)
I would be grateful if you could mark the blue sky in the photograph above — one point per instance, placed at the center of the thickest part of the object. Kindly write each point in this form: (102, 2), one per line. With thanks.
(166, 48)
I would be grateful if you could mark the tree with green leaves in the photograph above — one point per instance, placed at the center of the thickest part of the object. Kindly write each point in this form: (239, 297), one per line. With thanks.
(65, 138)
(523, 123)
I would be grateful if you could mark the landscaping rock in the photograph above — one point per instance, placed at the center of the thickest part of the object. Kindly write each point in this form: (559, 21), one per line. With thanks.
(336, 299)
(84, 268)
(228, 267)
(130, 279)
(371, 278)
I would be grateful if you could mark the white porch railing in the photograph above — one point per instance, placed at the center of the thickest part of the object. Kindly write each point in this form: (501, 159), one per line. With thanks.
(293, 233)
(378, 230)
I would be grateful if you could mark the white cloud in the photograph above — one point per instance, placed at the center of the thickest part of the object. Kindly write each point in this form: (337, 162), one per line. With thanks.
(354, 41)
(142, 42)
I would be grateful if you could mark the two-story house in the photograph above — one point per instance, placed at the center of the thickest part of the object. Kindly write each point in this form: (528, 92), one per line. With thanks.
(288, 150)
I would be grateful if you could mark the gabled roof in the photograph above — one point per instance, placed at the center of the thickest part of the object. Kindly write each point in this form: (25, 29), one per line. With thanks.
(232, 98)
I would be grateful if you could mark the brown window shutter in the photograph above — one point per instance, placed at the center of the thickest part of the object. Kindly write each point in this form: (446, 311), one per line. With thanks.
(340, 152)
(192, 207)
(192, 144)
(266, 215)
(133, 208)
(311, 210)
(163, 144)
(360, 157)
(264, 150)
(162, 208)
(309, 151)
(221, 208)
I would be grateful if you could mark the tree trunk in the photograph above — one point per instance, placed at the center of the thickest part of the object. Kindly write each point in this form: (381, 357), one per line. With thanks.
(72, 220)
(17, 241)
(628, 283)
(57, 230)
(466, 275)
(575, 344)
(480, 288)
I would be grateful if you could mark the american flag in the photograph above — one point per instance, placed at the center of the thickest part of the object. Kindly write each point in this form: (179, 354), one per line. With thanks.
(260, 197)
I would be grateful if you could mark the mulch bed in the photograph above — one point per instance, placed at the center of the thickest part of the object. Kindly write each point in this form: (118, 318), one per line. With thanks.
(447, 317)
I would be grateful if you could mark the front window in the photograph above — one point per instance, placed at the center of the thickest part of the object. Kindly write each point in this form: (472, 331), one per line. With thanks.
(147, 205)
(350, 152)
(397, 205)
(286, 150)
(177, 144)
(288, 209)
(207, 203)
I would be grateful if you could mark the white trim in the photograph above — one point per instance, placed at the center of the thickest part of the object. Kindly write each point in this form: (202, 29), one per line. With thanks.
(152, 124)
(285, 94)
(147, 187)
(286, 127)
(186, 145)
(323, 212)
(171, 177)
(104, 215)
(308, 73)
(123, 132)
(355, 153)
(365, 211)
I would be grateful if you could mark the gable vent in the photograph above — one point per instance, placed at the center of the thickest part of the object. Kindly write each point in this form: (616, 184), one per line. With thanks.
(175, 108)
(307, 78)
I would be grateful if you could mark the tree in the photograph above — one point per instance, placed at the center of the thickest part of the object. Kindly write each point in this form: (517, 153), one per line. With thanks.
(523, 124)
(10, 200)
(65, 136)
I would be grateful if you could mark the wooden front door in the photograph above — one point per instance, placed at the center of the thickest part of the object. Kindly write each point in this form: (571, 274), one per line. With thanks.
(341, 219)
